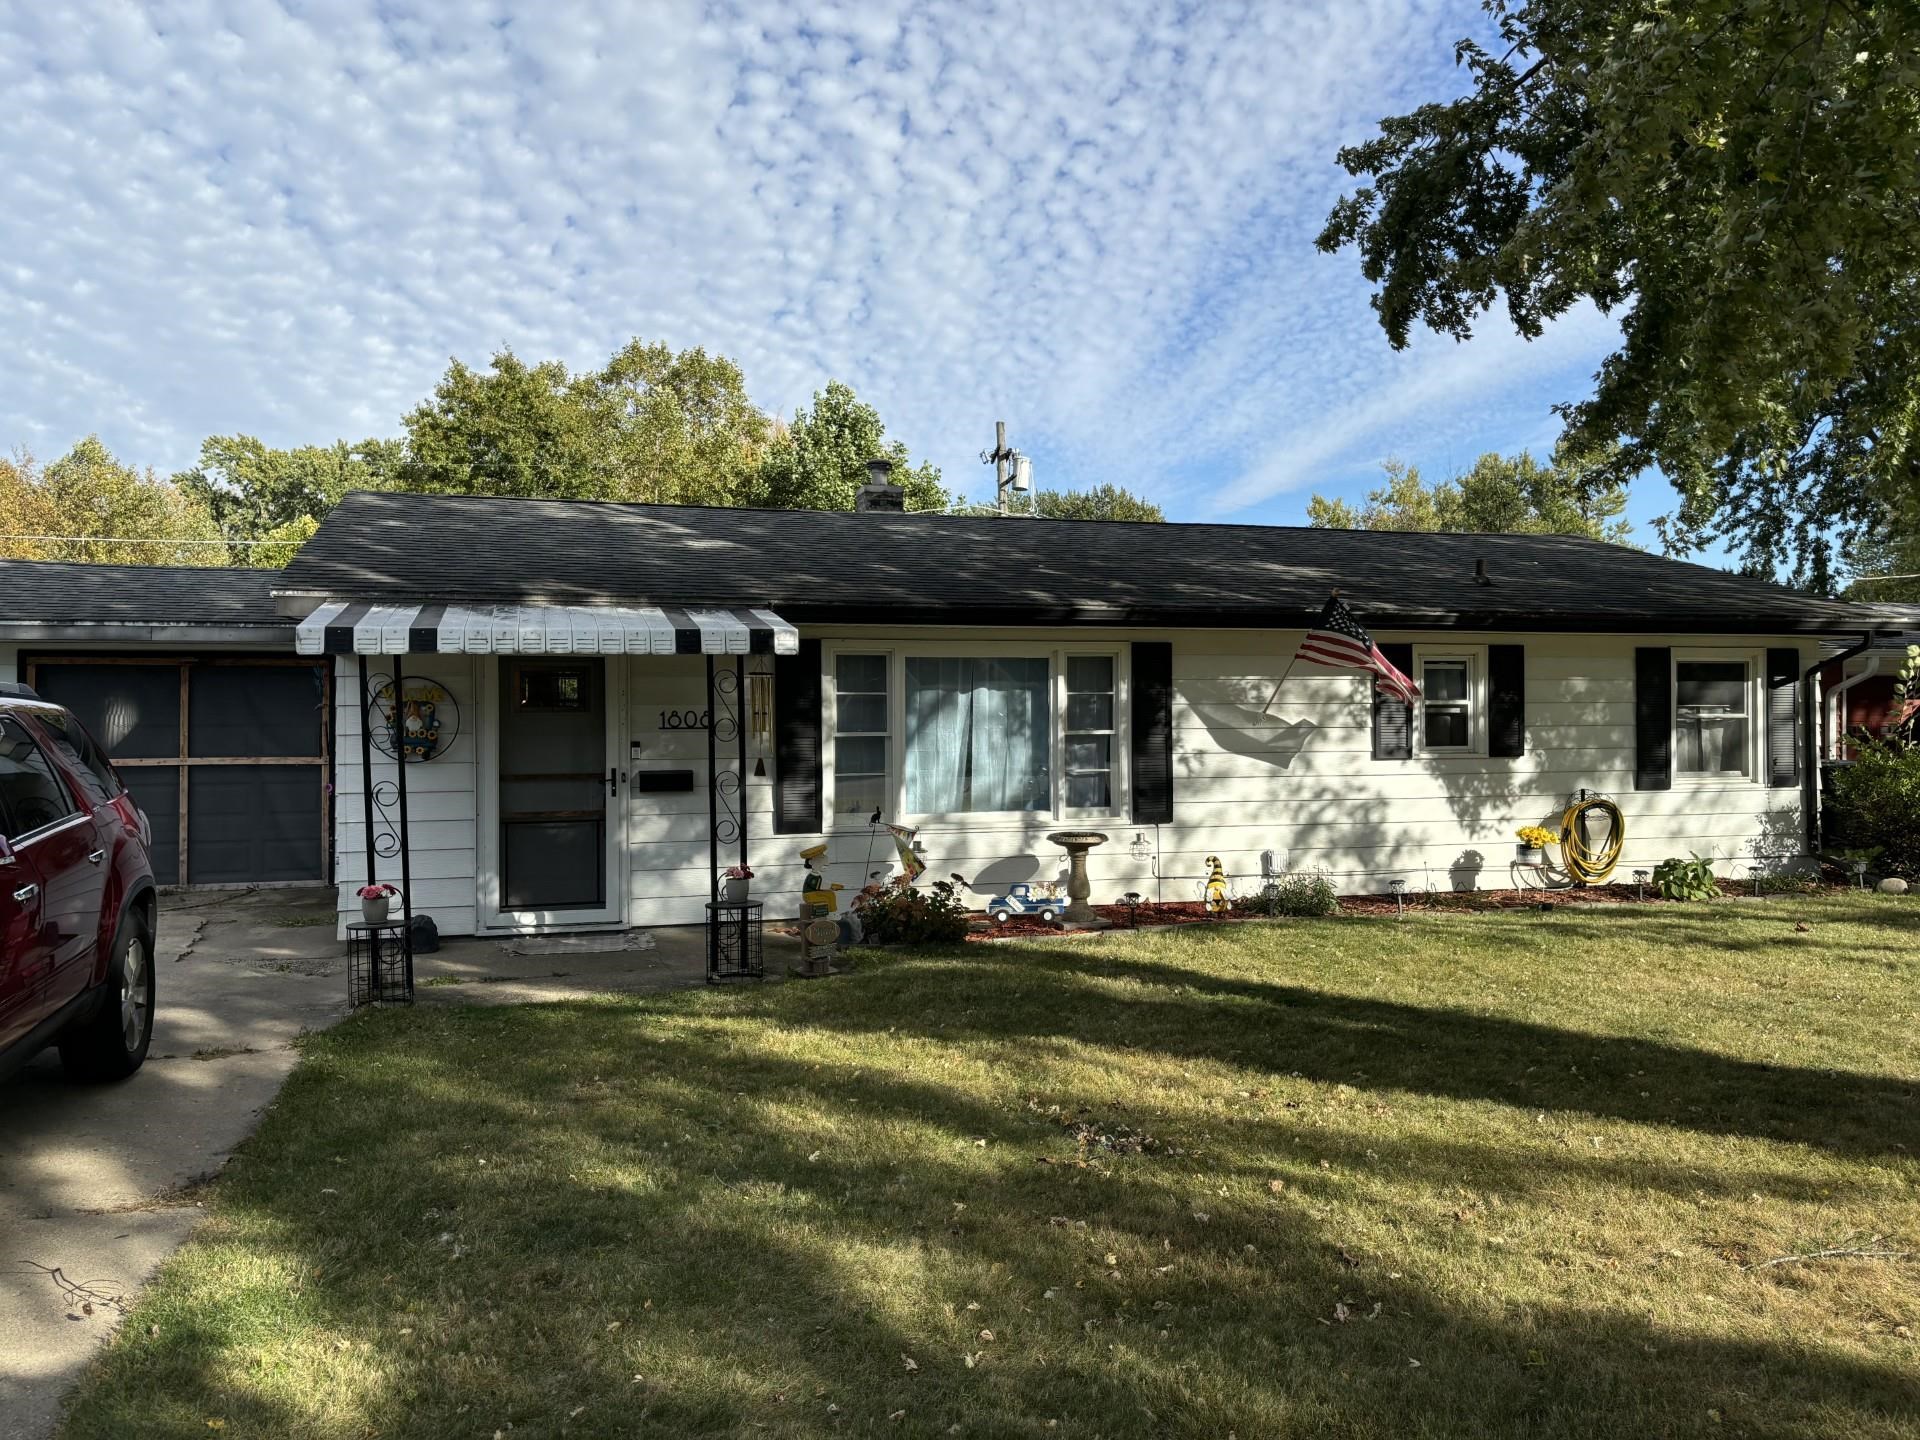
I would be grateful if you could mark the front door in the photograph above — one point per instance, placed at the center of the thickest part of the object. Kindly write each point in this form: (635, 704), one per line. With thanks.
(558, 839)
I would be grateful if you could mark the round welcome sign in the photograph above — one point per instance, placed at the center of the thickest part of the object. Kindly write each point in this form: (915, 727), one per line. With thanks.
(419, 721)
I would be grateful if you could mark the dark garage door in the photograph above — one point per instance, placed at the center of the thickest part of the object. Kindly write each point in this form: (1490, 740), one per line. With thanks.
(227, 757)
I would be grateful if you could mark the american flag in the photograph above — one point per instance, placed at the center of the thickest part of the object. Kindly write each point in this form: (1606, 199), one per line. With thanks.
(1341, 642)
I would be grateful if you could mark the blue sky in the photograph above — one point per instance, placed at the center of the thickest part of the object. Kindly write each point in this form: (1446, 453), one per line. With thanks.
(1094, 222)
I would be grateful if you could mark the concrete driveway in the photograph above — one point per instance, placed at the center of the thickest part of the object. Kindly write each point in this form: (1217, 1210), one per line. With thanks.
(96, 1182)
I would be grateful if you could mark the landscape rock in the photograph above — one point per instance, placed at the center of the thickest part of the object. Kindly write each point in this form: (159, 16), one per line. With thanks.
(1893, 885)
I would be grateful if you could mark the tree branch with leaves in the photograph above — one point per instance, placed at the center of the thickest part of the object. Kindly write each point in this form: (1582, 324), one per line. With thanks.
(1736, 181)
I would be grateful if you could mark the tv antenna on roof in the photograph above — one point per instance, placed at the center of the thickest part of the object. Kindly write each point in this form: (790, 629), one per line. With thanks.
(1011, 469)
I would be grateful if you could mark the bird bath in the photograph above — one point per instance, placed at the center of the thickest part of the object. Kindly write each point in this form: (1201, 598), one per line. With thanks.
(1077, 843)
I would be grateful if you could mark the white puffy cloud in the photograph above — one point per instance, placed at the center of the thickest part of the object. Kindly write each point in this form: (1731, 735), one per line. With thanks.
(1095, 222)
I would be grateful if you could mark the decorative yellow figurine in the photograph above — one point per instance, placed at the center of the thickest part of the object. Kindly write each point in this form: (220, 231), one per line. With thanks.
(1217, 903)
(819, 932)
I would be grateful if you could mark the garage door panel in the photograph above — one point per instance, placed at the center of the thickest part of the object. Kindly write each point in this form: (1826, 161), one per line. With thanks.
(132, 710)
(156, 790)
(253, 823)
(255, 710)
(245, 824)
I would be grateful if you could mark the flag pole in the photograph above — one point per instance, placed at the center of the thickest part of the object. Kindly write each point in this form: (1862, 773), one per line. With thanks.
(1268, 707)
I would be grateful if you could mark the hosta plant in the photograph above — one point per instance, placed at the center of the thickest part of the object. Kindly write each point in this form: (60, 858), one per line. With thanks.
(1689, 879)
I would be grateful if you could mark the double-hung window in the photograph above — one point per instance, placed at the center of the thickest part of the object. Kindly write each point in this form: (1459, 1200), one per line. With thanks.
(1090, 732)
(1449, 702)
(1713, 718)
(862, 743)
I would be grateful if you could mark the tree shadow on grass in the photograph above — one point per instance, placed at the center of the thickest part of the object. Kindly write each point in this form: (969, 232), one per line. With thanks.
(1447, 1052)
(757, 1236)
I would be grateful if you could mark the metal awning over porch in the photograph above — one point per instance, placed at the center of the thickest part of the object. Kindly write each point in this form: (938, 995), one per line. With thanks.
(359, 628)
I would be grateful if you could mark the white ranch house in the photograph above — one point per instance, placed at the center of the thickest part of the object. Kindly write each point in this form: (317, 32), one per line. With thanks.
(982, 681)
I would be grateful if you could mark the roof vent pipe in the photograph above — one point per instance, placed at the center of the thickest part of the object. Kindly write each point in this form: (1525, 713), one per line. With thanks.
(1480, 576)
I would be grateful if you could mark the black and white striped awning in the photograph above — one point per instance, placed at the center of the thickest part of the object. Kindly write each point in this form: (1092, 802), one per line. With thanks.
(349, 628)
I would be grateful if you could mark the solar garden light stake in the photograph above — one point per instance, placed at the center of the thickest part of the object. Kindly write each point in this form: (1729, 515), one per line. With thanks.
(1398, 886)
(1640, 878)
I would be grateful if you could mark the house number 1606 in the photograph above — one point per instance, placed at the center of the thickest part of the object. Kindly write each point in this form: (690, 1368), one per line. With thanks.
(685, 719)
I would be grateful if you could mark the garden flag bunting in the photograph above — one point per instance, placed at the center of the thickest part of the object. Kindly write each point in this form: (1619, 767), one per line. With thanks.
(1340, 642)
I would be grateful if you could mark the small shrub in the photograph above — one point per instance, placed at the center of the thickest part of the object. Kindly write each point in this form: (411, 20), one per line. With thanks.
(1690, 879)
(1877, 805)
(898, 914)
(1302, 895)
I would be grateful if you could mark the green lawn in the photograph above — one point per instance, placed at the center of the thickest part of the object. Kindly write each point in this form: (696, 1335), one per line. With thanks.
(1462, 1175)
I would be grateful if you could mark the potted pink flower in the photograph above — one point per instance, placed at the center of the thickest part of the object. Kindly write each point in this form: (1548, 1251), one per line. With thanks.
(734, 883)
(375, 901)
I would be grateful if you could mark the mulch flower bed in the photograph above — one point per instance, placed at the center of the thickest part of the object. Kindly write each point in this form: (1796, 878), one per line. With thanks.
(1193, 912)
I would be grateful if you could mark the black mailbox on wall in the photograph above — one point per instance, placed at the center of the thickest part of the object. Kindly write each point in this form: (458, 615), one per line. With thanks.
(661, 782)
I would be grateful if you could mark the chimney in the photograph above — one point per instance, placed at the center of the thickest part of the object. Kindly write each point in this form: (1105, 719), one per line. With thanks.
(880, 493)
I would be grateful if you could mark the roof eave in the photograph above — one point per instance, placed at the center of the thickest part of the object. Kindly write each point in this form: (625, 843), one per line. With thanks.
(299, 603)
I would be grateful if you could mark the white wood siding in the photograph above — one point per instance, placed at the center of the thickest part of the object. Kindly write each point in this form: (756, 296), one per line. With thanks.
(441, 800)
(1299, 782)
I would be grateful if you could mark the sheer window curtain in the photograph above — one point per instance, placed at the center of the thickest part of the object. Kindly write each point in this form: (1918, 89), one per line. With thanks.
(977, 735)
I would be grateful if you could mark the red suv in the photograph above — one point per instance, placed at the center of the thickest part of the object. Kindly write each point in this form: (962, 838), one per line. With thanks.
(76, 898)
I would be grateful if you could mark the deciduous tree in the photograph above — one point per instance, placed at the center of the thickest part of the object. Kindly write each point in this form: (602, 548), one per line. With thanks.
(1101, 502)
(1515, 495)
(255, 492)
(1733, 179)
(103, 512)
(819, 461)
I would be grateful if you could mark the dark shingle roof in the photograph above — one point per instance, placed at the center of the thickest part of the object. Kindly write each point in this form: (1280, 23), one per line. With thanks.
(51, 592)
(815, 566)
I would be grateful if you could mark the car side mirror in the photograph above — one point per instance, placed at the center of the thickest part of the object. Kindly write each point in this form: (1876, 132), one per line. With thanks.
(6, 851)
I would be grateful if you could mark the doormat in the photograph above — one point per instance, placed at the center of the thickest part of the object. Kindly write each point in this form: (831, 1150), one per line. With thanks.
(605, 943)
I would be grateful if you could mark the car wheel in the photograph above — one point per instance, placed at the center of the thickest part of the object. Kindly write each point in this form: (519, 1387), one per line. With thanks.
(1047, 915)
(1000, 917)
(111, 1043)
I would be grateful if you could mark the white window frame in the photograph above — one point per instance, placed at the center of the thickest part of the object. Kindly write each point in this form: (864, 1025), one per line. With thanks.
(1475, 659)
(897, 654)
(830, 733)
(1087, 812)
(1754, 660)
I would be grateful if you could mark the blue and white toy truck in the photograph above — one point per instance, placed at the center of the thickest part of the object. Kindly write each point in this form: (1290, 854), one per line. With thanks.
(1020, 900)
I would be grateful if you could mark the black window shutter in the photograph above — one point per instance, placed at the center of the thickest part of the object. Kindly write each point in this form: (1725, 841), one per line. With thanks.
(1783, 740)
(1393, 719)
(1652, 718)
(796, 741)
(1152, 732)
(1506, 700)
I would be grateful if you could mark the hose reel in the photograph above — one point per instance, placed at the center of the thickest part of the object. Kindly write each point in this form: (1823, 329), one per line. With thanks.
(1587, 860)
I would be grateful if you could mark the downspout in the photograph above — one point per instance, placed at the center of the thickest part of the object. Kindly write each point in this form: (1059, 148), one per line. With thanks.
(1811, 746)
(1871, 669)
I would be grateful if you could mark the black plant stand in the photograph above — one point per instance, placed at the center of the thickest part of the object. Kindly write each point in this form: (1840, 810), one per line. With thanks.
(733, 941)
(379, 964)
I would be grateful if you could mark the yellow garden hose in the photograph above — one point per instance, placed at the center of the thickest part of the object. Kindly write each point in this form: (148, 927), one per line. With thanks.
(1587, 864)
